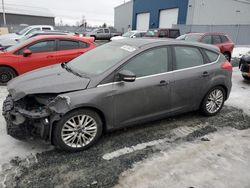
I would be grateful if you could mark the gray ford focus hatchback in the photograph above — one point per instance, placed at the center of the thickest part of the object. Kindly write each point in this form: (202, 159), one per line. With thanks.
(118, 84)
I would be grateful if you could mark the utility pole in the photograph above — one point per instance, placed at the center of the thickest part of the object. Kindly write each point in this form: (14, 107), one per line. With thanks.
(4, 18)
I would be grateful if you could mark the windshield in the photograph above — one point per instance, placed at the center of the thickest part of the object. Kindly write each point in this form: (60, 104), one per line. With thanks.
(100, 59)
(18, 45)
(151, 33)
(128, 34)
(23, 31)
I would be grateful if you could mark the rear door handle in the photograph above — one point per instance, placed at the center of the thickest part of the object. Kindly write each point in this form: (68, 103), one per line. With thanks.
(50, 56)
(163, 83)
(205, 74)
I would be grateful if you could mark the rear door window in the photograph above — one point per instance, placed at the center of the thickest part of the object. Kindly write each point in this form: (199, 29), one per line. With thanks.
(212, 56)
(106, 30)
(216, 39)
(149, 63)
(186, 57)
(207, 39)
(68, 45)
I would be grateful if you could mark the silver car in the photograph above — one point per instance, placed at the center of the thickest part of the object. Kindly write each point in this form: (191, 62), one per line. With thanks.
(119, 84)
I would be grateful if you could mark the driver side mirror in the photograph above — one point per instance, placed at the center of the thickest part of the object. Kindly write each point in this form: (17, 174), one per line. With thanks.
(27, 53)
(126, 76)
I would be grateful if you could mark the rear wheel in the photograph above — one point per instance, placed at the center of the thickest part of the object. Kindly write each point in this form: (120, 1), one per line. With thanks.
(78, 130)
(213, 101)
(6, 74)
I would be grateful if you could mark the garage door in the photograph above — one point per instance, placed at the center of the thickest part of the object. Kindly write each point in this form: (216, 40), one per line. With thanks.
(142, 21)
(168, 17)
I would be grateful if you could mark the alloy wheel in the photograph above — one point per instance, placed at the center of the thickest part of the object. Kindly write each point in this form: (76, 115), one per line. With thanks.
(79, 131)
(214, 101)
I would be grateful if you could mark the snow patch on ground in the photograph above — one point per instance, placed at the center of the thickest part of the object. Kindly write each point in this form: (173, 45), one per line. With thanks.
(239, 51)
(222, 162)
(179, 132)
(10, 147)
(239, 97)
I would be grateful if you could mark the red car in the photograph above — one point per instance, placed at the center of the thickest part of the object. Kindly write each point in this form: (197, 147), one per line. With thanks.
(39, 52)
(222, 41)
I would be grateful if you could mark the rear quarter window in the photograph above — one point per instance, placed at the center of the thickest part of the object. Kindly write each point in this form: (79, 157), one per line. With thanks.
(223, 39)
(212, 56)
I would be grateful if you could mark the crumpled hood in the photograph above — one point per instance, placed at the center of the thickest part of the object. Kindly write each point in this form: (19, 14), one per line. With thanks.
(52, 79)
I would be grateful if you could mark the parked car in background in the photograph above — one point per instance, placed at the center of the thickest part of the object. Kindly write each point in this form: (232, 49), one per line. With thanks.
(130, 34)
(36, 33)
(221, 40)
(163, 33)
(118, 84)
(10, 39)
(244, 66)
(41, 51)
(102, 34)
(53, 32)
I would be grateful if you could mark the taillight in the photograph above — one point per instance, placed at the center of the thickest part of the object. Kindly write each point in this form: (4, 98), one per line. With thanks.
(227, 66)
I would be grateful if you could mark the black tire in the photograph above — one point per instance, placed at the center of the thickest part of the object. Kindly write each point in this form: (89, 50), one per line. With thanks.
(57, 131)
(246, 78)
(227, 56)
(204, 109)
(6, 74)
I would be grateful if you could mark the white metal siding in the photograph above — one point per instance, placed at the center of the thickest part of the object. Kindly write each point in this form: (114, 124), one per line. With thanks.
(142, 21)
(168, 17)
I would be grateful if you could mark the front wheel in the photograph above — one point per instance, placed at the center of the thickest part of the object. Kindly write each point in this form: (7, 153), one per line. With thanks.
(6, 74)
(78, 130)
(213, 101)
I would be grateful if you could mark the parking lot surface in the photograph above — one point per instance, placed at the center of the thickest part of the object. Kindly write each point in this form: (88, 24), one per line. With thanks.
(166, 153)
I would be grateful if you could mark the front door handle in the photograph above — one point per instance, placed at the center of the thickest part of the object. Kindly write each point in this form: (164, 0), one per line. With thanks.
(50, 56)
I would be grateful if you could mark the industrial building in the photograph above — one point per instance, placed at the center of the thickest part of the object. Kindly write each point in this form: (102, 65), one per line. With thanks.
(16, 15)
(166, 13)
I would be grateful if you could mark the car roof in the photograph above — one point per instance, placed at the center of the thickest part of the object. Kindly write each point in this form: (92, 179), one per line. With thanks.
(40, 37)
(144, 42)
(40, 26)
(206, 33)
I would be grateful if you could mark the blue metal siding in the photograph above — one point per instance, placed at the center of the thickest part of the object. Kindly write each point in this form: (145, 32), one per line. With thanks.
(155, 6)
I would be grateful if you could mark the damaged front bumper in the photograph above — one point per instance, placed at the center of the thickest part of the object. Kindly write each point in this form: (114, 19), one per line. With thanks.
(23, 123)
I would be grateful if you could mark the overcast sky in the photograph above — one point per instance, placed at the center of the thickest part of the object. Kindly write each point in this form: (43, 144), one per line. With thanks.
(96, 12)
